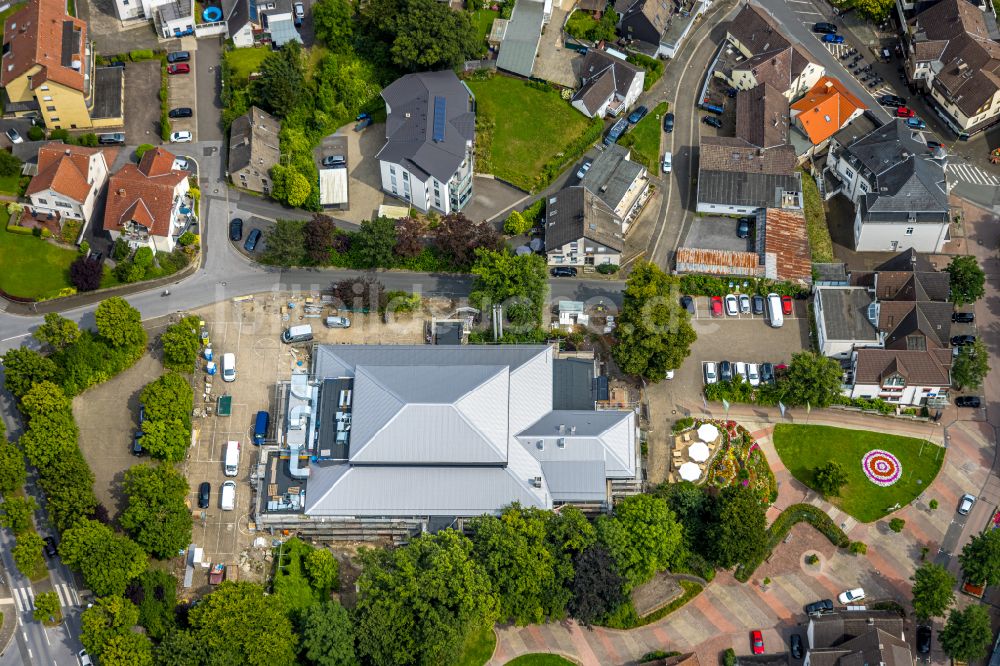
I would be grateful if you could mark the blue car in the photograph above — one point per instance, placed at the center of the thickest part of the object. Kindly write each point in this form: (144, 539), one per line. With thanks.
(251, 243)
(637, 115)
(833, 39)
(916, 123)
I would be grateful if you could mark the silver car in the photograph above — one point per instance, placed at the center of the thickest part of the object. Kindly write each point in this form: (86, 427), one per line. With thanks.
(965, 504)
(337, 322)
(732, 305)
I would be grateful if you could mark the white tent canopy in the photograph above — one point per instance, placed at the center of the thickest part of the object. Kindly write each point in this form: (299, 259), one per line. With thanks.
(708, 432)
(698, 452)
(690, 472)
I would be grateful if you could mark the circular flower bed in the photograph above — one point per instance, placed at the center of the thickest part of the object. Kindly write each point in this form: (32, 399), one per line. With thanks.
(881, 467)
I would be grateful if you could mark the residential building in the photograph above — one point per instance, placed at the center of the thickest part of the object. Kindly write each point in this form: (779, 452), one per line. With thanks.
(898, 187)
(148, 204)
(737, 178)
(48, 71)
(846, 319)
(822, 112)
(952, 56)
(903, 377)
(581, 229)
(762, 116)
(254, 150)
(857, 637)
(608, 85)
(622, 184)
(68, 182)
(389, 441)
(519, 47)
(430, 130)
(171, 18)
(655, 27)
(768, 56)
(252, 22)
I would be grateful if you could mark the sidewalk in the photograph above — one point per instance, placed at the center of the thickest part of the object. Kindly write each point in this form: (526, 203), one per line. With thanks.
(9, 611)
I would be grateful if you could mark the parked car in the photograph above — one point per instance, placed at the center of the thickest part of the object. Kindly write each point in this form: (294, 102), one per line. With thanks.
(667, 162)
(833, 39)
(757, 641)
(916, 123)
(85, 659)
(337, 322)
(758, 304)
(743, 228)
(236, 229)
(584, 168)
(710, 376)
(933, 145)
(795, 646)
(819, 607)
(892, 100)
(965, 504)
(334, 162)
(961, 340)
(725, 371)
(178, 56)
(111, 139)
(137, 449)
(732, 305)
(668, 123)
(905, 112)
(963, 317)
(142, 413)
(716, 306)
(300, 13)
(179, 68)
(850, 596)
(753, 374)
(637, 115)
(744, 304)
(252, 240)
(786, 305)
(731, 92)
(766, 373)
(181, 112)
(563, 271)
(181, 137)
(972, 401)
(50, 547)
(13, 135)
(826, 28)
(923, 639)
(204, 494)
(712, 120)
(688, 304)
(740, 370)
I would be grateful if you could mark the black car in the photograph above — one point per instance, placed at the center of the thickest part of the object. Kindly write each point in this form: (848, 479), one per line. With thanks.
(923, 639)
(181, 112)
(892, 100)
(972, 401)
(334, 161)
(795, 644)
(963, 317)
(204, 494)
(236, 229)
(725, 371)
(563, 271)
(821, 606)
(743, 228)
(757, 304)
(766, 373)
(712, 120)
(961, 340)
(178, 56)
(50, 547)
(668, 123)
(825, 28)
(137, 449)
(731, 92)
(638, 114)
(688, 304)
(252, 240)
(142, 413)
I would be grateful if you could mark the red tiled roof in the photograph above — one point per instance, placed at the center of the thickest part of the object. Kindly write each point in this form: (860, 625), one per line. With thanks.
(143, 194)
(918, 368)
(785, 237)
(34, 36)
(63, 169)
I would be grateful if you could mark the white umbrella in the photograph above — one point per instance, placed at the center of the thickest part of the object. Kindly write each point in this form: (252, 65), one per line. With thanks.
(708, 432)
(698, 452)
(690, 472)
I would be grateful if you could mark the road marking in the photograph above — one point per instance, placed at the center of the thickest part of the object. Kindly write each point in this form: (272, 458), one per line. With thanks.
(64, 597)
(972, 174)
(15, 337)
(808, 13)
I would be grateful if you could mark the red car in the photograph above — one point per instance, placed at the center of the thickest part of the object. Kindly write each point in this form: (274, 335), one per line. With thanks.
(178, 68)
(757, 642)
(716, 306)
(905, 112)
(786, 305)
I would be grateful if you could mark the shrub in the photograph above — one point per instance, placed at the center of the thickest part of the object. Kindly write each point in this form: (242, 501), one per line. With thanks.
(607, 269)
(70, 230)
(36, 133)
(143, 149)
(683, 424)
(516, 224)
(187, 238)
(121, 250)
(89, 139)
(779, 529)
(812, 559)
(141, 54)
(933, 504)
(46, 233)
(858, 547)
(896, 525)
(85, 274)
(59, 135)
(23, 231)
(729, 657)
(533, 213)
(652, 66)
(84, 247)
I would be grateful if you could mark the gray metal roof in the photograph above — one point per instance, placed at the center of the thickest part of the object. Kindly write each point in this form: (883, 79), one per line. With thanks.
(409, 126)
(340, 360)
(283, 31)
(576, 481)
(612, 174)
(845, 313)
(573, 383)
(520, 41)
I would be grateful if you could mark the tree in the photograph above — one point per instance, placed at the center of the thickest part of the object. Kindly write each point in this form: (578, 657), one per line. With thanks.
(282, 80)
(181, 344)
(108, 617)
(409, 237)
(967, 280)
(142, 149)
(166, 439)
(239, 624)
(365, 293)
(127, 649)
(830, 477)
(980, 558)
(49, 437)
(143, 257)
(69, 488)
(605, 28)
(324, 571)
(739, 531)
(107, 561)
(180, 647)
(459, 237)
(694, 509)
(515, 224)
(12, 472)
(654, 333)
(44, 399)
(328, 635)
(168, 397)
(25, 367)
(119, 323)
(431, 36)
(932, 591)
(569, 531)
(318, 232)
(597, 586)
(971, 365)
(57, 332)
(156, 515)
(155, 593)
(811, 379)
(10, 165)
(420, 603)
(967, 634)
(17, 513)
(875, 11)
(643, 536)
(284, 243)
(333, 21)
(518, 283)
(85, 274)
(27, 552)
(374, 243)
(297, 188)
(897, 525)
(47, 608)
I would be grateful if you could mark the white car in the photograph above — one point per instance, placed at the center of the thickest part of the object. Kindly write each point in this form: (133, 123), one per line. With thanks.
(740, 370)
(667, 162)
(584, 168)
(710, 374)
(753, 375)
(850, 596)
(181, 137)
(965, 504)
(732, 305)
(14, 136)
(744, 304)
(85, 659)
(670, 374)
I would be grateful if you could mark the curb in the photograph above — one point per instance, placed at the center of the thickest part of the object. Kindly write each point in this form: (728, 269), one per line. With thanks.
(9, 625)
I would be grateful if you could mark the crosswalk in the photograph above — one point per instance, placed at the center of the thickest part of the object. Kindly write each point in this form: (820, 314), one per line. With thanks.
(968, 173)
(838, 50)
(24, 597)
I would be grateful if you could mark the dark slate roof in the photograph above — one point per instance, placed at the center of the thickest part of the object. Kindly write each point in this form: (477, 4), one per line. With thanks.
(861, 126)
(655, 12)
(109, 84)
(574, 213)
(836, 629)
(762, 116)
(876, 646)
(734, 172)
(237, 16)
(833, 272)
(773, 58)
(755, 29)
(845, 313)
(573, 385)
(907, 260)
(905, 321)
(253, 139)
(410, 122)
(611, 174)
(602, 75)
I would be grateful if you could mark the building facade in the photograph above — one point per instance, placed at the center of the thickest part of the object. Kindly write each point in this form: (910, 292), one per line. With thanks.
(608, 85)
(68, 182)
(581, 229)
(254, 148)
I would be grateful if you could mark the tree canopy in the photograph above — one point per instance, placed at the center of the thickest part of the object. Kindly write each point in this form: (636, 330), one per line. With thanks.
(812, 379)
(108, 617)
(420, 35)
(282, 80)
(107, 561)
(168, 397)
(23, 367)
(181, 344)
(167, 439)
(57, 332)
(980, 558)
(643, 536)
(17, 513)
(27, 552)
(328, 635)
(156, 515)
(284, 242)
(128, 649)
(830, 477)
(375, 242)
(333, 21)
(739, 531)
(967, 280)
(12, 471)
(933, 591)
(119, 323)
(967, 634)
(597, 586)
(971, 365)
(518, 283)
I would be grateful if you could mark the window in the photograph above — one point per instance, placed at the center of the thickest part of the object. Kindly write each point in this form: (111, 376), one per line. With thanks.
(392, 171)
(43, 88)
(848, 173)
(909, 231)
(50, 108)
(43, 202)
(47, 98)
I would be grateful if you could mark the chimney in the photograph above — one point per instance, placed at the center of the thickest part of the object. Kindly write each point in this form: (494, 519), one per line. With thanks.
(121, 191)
(562, 428)
(572, 430)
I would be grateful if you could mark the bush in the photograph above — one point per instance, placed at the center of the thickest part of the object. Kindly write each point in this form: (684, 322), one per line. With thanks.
(729, 657)
(533, 213)
(85, 274)
(933, 504)
(683, 424)
(516, 224)
(141, 54)
(143, 149)
(652, 66)
(59, 135)
(779, 529)
(121, 250)
(36, 133)
(858, 547)
(607, 269)
(897, 524)
(187, 238)
(23, 231)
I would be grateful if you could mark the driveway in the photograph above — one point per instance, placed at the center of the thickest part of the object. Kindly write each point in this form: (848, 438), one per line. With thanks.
(142, 102)
(715, 233)
(555, 62)
(111, 36)
(182, 91)
(209, 87)
(365, 179)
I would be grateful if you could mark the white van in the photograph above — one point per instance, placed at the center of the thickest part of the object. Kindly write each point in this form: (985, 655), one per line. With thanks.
(229, 367)
(227, 500)
(774, 316)
(232, 460)
(301, 333)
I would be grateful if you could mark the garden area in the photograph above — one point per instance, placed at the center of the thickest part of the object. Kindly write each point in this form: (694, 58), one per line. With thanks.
(883, 472)
(816, 227)
(540, 659)
(644, 139)
(735, 457)
(244, 62)
(526, 133)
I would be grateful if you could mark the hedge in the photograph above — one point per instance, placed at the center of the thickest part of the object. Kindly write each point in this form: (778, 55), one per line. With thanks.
(779, 529)
(24, 231)
(710, 285)
(653, 67)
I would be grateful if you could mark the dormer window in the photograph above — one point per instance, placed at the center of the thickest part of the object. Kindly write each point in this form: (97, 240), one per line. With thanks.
(894, 380)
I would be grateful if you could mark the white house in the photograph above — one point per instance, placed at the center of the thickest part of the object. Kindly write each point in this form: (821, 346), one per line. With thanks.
(608, 85)
(171, 18)
(430, 132)
(899, 376)
(619, 182)
(581, 229)
(68, 182)
(846, 318)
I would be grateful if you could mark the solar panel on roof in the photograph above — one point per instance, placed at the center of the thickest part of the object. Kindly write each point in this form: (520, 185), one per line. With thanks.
(439, 118)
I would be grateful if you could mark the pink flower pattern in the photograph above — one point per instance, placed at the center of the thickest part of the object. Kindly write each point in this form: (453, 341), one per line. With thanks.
(881, 467)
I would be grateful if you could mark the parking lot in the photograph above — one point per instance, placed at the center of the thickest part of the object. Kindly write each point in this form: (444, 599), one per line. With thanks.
(181, 92)
(142, 102)
(716, 233)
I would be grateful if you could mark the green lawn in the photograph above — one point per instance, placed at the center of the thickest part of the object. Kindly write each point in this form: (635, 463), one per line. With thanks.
(580, 24)
(31, 267)
(819, 233)
(803, 448)
(644, 139)
(521, 127)
(245, 61)
(479, 649)
(482, 21)
(540, 659)
(9, 184)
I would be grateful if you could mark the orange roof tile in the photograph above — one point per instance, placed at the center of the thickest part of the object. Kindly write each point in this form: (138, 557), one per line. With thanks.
(143, 193)
(825, 109)
(44, 34)
(63, 169)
